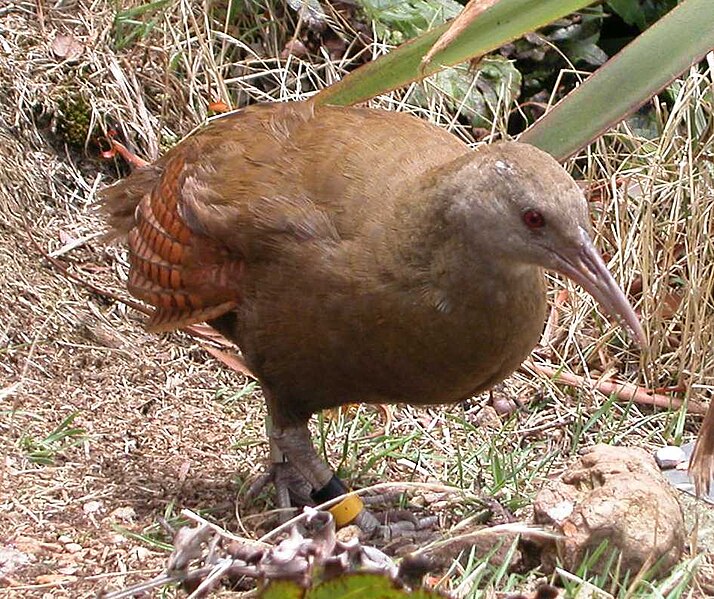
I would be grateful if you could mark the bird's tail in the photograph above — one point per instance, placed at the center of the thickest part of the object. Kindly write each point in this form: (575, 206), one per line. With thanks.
(118, 203)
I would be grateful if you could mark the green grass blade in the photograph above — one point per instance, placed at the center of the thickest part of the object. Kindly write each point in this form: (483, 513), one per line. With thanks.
(504, 22)
(668, 48)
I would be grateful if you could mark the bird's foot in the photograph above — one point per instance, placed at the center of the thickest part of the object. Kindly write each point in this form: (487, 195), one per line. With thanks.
(292, 492)
(291, 489)
(394, 524)
(301, 478)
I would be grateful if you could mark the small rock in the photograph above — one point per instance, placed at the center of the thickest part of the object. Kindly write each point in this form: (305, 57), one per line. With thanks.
(92, 507)
(64, 539)
(432, 497)
(418, 501)
(11, 559)
(670, 456)
(560, 511)
(125, 514)
(117, 539)
(294, 47)
(488, 418)
(73, 547)
(142, 553)
(504, 406)
(348, 533)
(618, 494)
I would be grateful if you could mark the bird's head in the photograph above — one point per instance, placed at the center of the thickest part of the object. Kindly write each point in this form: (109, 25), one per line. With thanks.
(522, 206)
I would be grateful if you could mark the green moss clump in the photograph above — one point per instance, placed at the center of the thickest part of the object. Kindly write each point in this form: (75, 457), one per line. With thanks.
(74, 116)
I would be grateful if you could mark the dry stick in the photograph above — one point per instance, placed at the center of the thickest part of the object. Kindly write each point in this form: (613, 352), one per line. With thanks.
(77, 279)
(623, 391)
(554, 317)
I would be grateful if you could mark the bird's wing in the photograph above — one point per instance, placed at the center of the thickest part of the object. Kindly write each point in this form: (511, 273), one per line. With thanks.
(187, 277)
(213, 204)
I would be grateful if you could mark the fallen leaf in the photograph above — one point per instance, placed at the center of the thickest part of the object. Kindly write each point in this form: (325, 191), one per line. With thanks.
(66, 47)
(295, 48)
(183, 470)
(218, 106)
(52, 579)
(569, 529)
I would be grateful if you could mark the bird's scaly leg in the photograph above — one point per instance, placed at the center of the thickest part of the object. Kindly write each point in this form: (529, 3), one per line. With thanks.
(296, 445)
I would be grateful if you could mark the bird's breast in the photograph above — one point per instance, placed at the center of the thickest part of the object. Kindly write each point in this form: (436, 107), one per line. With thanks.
(323, 345)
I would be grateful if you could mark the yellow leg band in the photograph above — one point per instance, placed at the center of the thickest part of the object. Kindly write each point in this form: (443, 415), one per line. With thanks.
(347, 510)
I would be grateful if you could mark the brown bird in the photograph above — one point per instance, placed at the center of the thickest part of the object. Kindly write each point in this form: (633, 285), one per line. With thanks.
(356, 255)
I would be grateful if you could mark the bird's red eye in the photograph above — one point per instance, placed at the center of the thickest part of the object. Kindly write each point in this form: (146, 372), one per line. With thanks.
(533, 219)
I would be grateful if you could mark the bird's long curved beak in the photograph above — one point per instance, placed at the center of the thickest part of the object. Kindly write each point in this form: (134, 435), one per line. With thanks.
(585, 266)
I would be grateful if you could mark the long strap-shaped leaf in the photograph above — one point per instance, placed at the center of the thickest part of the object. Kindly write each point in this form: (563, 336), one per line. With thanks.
(500, 24)
(679, 39)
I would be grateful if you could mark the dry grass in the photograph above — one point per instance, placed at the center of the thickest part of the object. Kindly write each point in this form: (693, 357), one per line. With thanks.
(157, 417)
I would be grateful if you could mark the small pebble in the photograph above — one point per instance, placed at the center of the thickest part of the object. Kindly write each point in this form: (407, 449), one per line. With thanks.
(127, 514)
(92, 506)
(560, 511)
(142, 553)
(669, 456)
(348, 533)
(488, 417)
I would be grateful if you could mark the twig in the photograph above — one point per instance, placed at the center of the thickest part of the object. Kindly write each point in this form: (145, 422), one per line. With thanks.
(554, 317)
(622, 390)
(220, 531)
(75, 243)
(529, 432)
(64, 271)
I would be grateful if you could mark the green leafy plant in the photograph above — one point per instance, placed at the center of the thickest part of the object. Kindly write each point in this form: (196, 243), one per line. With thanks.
(641, 13)
(134, 24)
(44, 451)
(398, 21)
(679, 39)
(355, 586)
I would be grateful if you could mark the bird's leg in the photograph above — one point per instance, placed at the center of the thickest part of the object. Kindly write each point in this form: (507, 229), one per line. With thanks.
(291, 487)
(295, 443)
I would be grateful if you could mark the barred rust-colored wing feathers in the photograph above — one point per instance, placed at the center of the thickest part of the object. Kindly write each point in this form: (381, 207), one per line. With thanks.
(187, 277)
(195, 217)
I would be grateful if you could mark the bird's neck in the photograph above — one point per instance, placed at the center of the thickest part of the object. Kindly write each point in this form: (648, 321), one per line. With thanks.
(454, 268)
